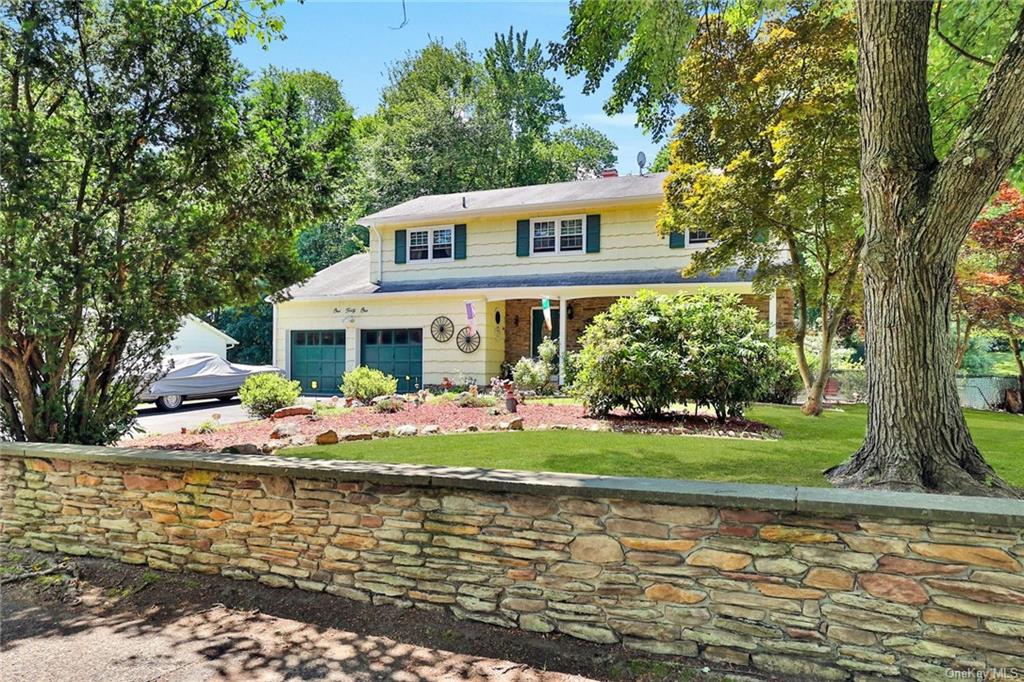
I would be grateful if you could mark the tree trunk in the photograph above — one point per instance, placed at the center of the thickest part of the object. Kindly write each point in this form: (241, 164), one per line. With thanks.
(814, 402)
(917, 212)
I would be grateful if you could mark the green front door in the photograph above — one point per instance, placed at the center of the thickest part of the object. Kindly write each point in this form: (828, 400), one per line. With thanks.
(318, 360)
(398, 352)
(540, 331)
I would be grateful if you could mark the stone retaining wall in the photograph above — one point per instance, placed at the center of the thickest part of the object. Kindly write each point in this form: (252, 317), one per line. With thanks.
(831, 585)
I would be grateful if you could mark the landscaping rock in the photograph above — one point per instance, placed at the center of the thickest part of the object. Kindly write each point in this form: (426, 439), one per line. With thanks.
(381, 433)
(362, 435)
(242, 449)
(515, 424)
(405, 430)
(286, 430)
(430, 428)
(293, 411)
(329, 437)
(472, 427)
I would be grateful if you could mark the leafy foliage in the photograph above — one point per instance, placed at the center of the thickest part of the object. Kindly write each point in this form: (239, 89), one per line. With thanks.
(534, 374)
(262, 394)
(990, 277)
(650, 351)
(135, 156)
(765, 159)
(365, 384)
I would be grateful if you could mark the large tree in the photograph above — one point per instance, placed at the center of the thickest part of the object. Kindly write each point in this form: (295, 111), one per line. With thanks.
(920, 193)
(142, 181)
(765, 159)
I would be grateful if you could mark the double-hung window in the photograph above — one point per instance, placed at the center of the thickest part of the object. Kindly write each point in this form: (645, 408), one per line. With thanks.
(699, 236)
(430, 244)
(558, 235)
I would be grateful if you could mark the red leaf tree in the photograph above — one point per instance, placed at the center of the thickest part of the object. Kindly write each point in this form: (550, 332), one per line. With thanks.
(990, 276)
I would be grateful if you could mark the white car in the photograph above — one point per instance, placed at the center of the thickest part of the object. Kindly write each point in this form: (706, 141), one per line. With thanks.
(196, 376)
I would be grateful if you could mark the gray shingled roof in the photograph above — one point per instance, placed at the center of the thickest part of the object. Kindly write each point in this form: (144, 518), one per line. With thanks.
(556, 194)
(351, 277)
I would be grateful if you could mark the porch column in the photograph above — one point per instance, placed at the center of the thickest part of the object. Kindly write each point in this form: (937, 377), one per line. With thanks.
(562, 314)
(773, 310)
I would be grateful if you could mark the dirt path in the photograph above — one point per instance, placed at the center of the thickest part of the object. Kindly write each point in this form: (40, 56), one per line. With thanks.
(131, 624)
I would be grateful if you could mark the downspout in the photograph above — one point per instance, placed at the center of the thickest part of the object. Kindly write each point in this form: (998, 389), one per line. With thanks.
(380, 253)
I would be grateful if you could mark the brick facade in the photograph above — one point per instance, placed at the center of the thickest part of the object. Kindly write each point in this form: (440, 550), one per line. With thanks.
(518, 336)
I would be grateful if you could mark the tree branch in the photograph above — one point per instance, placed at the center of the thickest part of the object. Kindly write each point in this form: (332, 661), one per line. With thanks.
(956, 48)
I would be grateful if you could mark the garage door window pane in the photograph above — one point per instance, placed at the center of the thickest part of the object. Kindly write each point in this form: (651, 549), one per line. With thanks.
(385, 338)
(327, 339)
(300, 339)
(313, 338)
(402, 337)
(416, 336)
(370, 338)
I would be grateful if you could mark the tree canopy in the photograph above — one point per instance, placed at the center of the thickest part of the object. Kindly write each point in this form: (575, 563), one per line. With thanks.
(765, 159)
(143, 180)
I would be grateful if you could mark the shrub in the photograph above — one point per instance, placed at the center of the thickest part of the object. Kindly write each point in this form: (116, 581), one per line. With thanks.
(261, 394)
(365, 384)
(631, 356)
(649, 351)
(787, 386)
(207, 426)
(534, 374)
(728, 359)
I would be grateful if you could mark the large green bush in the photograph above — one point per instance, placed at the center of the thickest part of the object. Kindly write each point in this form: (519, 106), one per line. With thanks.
(261, 394)
(650, 351)
(631, 356)
(365, 384)
(728, 359)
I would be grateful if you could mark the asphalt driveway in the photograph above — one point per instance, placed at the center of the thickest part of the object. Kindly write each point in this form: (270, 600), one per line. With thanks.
(189, 415)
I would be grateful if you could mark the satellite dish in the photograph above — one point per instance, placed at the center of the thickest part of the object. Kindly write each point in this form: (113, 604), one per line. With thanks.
(641, 160)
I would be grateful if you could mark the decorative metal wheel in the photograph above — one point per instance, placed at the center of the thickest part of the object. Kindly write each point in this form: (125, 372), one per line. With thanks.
(442, 329)
(467, 342)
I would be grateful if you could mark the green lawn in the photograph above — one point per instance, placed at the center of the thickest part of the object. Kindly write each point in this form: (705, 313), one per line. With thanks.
(807, 447)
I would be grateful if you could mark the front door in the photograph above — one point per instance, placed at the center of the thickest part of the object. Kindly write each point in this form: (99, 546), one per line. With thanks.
(398, 352)
(540, 331)
(318, 360)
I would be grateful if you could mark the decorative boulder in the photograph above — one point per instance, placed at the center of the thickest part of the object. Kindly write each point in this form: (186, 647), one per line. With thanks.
(328, 437)
(430, 428)
(286, 430)
(515, 424)
(405, 430)
(357, 436)
(381, 433)
(293, 411)
(242, 449)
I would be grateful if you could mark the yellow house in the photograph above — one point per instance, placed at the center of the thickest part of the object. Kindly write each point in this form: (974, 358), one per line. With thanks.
(404, 306)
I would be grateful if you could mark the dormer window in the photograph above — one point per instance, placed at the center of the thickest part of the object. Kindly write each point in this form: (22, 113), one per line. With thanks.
(557, 235)
(430, 244)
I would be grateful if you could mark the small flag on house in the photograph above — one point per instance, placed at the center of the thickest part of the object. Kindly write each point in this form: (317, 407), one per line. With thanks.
(546, 306)
(471, 317)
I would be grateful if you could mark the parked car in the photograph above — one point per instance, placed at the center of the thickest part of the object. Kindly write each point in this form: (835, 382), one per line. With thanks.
(198, 376)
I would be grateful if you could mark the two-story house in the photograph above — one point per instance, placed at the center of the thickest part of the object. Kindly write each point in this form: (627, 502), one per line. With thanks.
(402, 306)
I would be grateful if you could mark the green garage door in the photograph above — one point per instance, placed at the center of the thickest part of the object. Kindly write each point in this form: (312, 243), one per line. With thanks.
(318, 360)
(398, 352)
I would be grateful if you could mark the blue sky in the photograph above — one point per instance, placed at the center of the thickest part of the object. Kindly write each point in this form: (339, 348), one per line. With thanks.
(355, 43)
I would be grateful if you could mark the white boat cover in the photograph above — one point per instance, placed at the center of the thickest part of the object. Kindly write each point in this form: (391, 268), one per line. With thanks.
(202, 374)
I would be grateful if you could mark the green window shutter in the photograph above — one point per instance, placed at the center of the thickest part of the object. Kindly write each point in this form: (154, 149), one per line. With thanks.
(399, 246)
(460, 242)
(593, 233)
(523, 237)
(676, 240)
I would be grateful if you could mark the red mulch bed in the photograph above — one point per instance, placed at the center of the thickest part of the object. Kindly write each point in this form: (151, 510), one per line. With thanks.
(450, 418)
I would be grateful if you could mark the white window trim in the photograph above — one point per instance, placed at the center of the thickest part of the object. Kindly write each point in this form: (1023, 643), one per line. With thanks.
(689, 239)
(430, 244)
(558, 235)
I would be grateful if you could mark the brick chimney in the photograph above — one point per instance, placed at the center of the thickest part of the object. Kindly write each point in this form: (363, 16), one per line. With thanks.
(609, 173)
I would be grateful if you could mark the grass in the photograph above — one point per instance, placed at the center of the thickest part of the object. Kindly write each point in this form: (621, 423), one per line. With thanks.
(808, 446)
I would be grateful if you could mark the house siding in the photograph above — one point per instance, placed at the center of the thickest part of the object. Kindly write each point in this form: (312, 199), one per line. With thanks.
(628, 241)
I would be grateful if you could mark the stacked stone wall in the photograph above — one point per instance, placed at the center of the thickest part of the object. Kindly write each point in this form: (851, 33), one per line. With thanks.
(737, 574)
